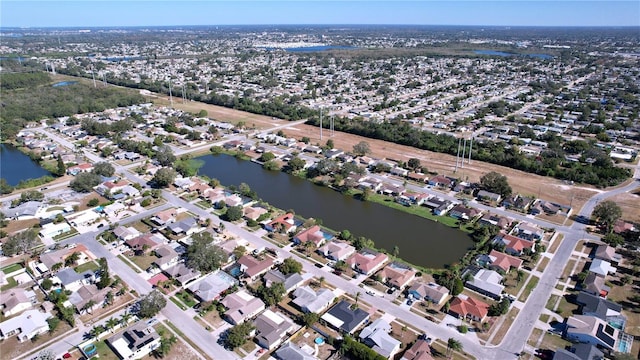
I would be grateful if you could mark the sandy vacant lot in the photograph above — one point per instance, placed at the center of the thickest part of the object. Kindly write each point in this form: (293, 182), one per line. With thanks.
(525, 183)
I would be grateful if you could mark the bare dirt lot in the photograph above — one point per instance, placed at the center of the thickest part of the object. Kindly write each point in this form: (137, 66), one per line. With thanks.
(630, 204)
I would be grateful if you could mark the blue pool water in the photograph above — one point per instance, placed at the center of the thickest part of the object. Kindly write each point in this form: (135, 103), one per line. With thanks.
(235, 271)
(319, 340)
(99, 208)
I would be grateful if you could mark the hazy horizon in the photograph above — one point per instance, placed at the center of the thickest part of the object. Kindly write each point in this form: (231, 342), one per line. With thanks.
(513, 13)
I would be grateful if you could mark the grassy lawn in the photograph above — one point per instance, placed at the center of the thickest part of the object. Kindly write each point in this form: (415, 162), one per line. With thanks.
(533, 281)
(439, 348)
(178, 303)
(556, 244)
(89, 265)
(551, 303)
(502, 331)
(545, 318)
(66, 235)
(565, 308)
(544, 261)
(11, 268)
(568, 269)
(421, 211)
(512, 286)
(535, 336)
(143, 261)
(186, 298)
(141, 227)
(11, 282)
(104, 351)
(203, 204)
(129, 264)
(553, 342)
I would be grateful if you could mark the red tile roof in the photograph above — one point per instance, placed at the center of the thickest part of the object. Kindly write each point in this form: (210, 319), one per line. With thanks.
(505, 261)
(469, 306)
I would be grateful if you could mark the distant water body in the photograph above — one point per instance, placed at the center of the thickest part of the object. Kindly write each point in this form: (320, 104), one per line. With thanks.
(505, 54)
(16, 166)
(315, 48)
(64, 83)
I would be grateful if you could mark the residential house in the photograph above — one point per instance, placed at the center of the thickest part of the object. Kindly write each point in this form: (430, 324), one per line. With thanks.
(484, 281)
(72, 281)
(489, 196)
(397, 275)
(579, 352)
(499, 261)
(601, 267)
(253, 213)
(343, 317)
(367, 261)
(17, 300)
(441, 181)
(185, 226)
(595, 284)
(283, 223)
(592, 330)
(601, 308)
(26, 325)
(528, 231)
(420, 350)
(290, 281)
(52, 230)
(313, 234)
(502, 222)
(291, 351)
(376, 336)
(183, 183)
(87, 295)
(144, 243)
(109, 188)
(462, 212)
(336, 250)
(466, 307)
(419, 177)
(167, 257)
(181, 273)
(253, 267)
(212, 286)
(309, 300)
(433, 292)
(135, 342)
(24, 211)
(165, 217)
(621, 227)
(124, 233)
(607, 253)
(271, 329)
(513, 244)
(391, 189)
(241, 306)
(518, 202)
(80, 168)
(438, 205)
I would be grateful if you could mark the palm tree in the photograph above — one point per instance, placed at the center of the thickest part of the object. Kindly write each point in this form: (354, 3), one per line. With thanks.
(453, 345)
(357, 298)
(321, 280)
(87, 307)
(396, 251)
(96, 331)
(124, 318)
(111, 323)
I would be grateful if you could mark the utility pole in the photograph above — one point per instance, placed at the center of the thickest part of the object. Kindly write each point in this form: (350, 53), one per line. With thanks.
(464, 148)
(470, 148)
(321, 124)
(170, 95)
(93, 75)
(457, 157)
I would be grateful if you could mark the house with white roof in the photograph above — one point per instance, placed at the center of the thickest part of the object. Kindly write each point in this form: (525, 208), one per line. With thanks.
(27, 325)
(377, 337)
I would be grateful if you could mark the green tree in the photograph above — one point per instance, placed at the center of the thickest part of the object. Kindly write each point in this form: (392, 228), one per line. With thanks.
(85, 182)
(151, 304)
(414, 163)
(53, 324)
(266, 156)
(239, 251)
(238, 335)
(362, 148)
(72, 259)
(396, 251)
(164, 177)
(330, 144)
(290, 266)
(104, 168)
(47, 284)
(61, 168)
(271, 295)
(308, 319)
(453, 345)
(105, 278)
(203, 113)
(499, 308)
(345, 235)
(496, 183)
(606, 213)
(165, 346)
(203, 255)
(295, 164)
(234, 213)
(164, 156)
(93, 202)
(20, 243)
(5, 188)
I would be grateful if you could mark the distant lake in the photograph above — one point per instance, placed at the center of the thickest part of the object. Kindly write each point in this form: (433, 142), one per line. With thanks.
(505, 54)
(315, 48)
(421, 241)
(16, 166)
(124, 58)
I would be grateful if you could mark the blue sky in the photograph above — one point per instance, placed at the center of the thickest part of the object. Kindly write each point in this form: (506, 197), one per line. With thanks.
(19, 13)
